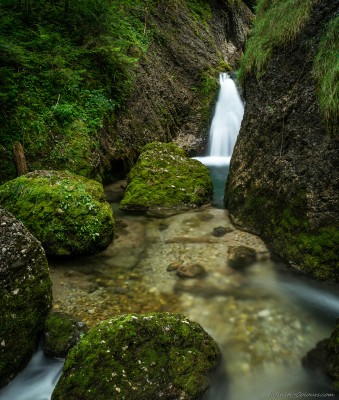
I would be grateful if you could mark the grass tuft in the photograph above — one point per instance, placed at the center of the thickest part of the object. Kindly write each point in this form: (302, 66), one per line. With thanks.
(277, 22)
(326, 73)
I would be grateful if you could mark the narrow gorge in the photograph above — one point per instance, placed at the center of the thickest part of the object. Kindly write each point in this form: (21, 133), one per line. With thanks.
(169, 199)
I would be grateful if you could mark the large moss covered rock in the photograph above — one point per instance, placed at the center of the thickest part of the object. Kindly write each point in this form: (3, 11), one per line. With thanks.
(140, 357)
(25, 295)
(164, 177)
(66, 212)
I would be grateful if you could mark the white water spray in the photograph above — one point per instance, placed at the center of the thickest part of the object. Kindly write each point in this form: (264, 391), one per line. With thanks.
(225, 125)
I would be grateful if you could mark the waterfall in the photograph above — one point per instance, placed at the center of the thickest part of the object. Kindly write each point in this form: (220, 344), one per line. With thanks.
(225, 125)
(226, 121)
(224, 130)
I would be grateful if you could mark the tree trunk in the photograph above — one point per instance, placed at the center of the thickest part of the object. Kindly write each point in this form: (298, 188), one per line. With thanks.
(20, 160)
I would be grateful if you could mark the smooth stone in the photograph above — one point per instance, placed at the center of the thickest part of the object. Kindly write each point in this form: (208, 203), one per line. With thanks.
(191, 271)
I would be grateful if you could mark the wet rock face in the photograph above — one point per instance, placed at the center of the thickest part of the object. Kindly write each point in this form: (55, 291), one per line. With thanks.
(25, 295)
(61, 333)
(66, 212)
(165, 178)
(139, 357)
(281, 183)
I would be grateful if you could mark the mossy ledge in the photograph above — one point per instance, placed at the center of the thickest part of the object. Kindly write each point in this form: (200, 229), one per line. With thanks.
(164, 177)
(140, 357)
(67, 213)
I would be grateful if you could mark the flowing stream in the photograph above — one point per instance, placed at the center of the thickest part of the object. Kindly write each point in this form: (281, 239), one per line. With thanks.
(264, 318)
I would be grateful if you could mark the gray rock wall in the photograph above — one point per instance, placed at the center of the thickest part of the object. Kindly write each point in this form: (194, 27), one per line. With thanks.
(282, 182)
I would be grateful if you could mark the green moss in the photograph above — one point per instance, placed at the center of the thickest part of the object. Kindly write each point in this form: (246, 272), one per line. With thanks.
(76, 150)
(326, 72)
(138, 357)
(200, 9)
(164, 177)
(276, 23)
(61, 333)
(287, 227)
(66, 212)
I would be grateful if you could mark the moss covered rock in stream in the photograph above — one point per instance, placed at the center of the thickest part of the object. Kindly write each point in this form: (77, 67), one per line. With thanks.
(164, 177)
(140, 357)
(333, 359)
(66, 212)
(25, 295)
(61, 333)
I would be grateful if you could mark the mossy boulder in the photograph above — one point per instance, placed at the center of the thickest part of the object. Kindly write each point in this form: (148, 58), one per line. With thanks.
(324, 358)
(25, 295)
(140, 357)
(333, 359)
(164, 177)
(61, 333)
(67, 213)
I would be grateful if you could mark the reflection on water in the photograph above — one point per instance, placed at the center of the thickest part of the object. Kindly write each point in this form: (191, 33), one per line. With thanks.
(219, 175)
(264, 318)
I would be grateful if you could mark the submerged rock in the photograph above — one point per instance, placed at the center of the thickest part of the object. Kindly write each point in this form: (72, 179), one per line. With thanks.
(61, 333)
(220, 231)
(140, 357)
(66, 212)
(25, 295)
(164, 177)
(324, 358)
(191, 271)
(332, 366)
(241, 257)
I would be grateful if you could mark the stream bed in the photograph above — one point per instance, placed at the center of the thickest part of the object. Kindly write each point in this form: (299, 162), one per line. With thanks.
(264, 317)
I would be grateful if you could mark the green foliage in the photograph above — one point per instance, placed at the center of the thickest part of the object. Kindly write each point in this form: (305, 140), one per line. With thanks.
(326, 72)
(277, 22)
(200, 9)
(164, 177)
(62, 64)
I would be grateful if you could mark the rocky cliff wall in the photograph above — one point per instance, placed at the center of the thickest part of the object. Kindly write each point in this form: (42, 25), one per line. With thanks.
(282, 182)
(176, 81)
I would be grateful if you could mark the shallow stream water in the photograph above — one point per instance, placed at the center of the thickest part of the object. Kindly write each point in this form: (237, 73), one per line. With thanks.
(264, 318)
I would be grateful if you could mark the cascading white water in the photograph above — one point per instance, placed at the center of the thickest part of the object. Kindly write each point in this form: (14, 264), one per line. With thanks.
(227, 118)
(225, 126)
(224, 130)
